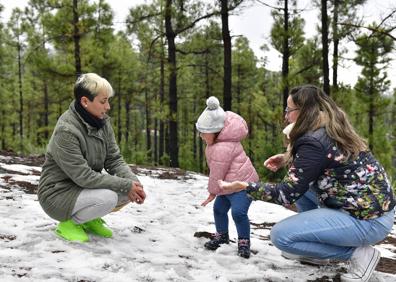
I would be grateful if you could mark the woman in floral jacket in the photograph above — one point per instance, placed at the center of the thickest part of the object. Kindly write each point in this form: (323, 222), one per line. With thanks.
(344, 198)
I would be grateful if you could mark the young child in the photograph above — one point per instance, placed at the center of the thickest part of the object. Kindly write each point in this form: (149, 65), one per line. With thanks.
(227, 160)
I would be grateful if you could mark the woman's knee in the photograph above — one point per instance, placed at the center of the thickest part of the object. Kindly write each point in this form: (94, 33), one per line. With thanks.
(102, 198)
(93, 204)
(110, 197)
(280, 236)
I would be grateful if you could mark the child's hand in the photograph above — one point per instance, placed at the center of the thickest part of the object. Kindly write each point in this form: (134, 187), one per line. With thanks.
(210, 198)
(234, 186)
(275, 162)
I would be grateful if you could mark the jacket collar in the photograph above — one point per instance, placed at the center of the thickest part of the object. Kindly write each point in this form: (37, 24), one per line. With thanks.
(90, 129)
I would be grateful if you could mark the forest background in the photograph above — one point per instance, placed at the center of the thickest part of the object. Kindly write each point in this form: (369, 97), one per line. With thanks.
(173, 54)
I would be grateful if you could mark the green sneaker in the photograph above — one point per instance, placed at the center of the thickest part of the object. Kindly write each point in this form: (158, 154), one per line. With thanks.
(96, 226)
(71, 231)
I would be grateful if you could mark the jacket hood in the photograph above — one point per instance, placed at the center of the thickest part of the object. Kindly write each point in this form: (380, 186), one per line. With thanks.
(235, 128)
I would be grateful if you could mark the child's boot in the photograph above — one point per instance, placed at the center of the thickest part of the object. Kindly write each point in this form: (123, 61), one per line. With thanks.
(71, 231)
(244, 248)
(97, 227)
(218, 239)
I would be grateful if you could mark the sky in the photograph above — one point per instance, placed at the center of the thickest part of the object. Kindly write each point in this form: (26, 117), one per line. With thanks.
(255, 21)
(151, 242)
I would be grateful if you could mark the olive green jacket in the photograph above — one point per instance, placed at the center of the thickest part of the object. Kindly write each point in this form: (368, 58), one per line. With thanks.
(76, 155)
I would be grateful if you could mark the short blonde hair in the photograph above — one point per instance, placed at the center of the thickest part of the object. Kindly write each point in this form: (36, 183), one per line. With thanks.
(90, 85)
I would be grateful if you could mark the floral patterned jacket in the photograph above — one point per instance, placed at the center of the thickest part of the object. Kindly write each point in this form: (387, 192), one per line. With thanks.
(359, 187)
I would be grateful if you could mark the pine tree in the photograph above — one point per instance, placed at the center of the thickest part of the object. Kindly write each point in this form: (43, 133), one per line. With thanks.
(287, 37)
(372, 87)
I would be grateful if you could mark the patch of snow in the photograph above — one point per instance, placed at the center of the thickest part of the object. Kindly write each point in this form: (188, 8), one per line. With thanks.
(151, 242)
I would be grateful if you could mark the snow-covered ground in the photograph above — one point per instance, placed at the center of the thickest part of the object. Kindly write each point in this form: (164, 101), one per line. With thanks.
(152, 242)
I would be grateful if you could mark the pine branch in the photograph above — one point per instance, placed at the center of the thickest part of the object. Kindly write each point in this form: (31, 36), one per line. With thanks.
(197, 52)
(280, 8)
(142, 18)
(377, 28)
(192, 24)
(270, 6)
(373, 29)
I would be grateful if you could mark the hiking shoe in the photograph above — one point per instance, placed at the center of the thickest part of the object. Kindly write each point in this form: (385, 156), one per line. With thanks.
(71, 231)
(218, 239)
(362, 264)
(97, 227)
(308, 260)
(244, 248)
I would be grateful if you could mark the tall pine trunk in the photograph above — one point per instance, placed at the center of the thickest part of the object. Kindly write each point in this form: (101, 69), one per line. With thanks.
(239, 88)
(148, 133)
(227, 91)
(3, 135)
(155, 145)
(119, 126)
(127, 118)
(286, 55)
(325, 47)
(173, 145)
(76, 39)
(250, 126)
(161, 145)
(161, 141)
(371, 111)
(46, 111)
(195, 135)
(20, 94)
(336, 42)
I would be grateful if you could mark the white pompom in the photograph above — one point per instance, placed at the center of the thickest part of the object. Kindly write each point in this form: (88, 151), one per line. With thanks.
(213, 103)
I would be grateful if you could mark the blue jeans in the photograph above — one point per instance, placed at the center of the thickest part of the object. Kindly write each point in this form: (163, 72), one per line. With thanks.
(239, 204)
(327, 233)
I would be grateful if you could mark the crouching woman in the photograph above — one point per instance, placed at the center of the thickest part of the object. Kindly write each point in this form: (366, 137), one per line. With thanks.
(73, 188)
(344, 198)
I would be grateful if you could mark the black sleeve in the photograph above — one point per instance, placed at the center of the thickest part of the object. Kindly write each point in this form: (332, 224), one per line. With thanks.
(308, 164)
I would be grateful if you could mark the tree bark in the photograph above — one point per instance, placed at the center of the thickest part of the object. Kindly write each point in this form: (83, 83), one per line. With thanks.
(227, 67)
(170, 36)
(161, 148)
(325, 48)
(148, 133)
(46, 110)
(336, 42)
(286, 55)
(250, 126)
(155, 145)
(127, 118)
(371, 111)
(3, 135)
(20, 94)
(76, 39)
(119, 127)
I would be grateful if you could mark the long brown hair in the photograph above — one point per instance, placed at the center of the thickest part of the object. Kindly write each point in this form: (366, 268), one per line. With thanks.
(316, 109)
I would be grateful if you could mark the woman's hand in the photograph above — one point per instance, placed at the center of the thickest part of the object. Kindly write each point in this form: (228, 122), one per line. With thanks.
(137, 194)
(235, 186)
(275, 162)
(210, 198)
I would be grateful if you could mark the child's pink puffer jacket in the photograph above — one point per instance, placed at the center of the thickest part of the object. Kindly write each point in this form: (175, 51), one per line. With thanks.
(226, 158)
